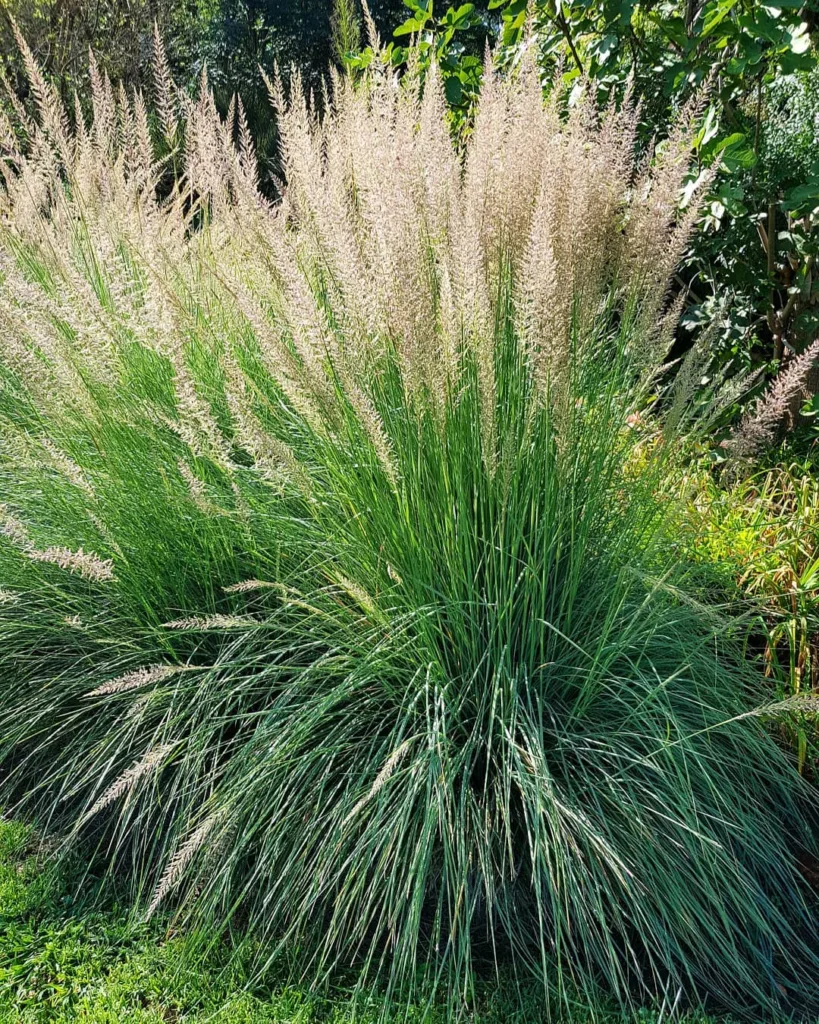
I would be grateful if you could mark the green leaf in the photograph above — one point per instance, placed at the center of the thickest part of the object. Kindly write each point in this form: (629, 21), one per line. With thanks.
(672, 28)
(459, 17)
(410, 26)
(625, 10)
(733, 150)
(516, 8)
(739, 159)
(453, 90)
(729, 140)
(716, 15)
(512, 27)
(810, 576)
(802, 194)
(605, 47)
(791, 62)
(709, 129)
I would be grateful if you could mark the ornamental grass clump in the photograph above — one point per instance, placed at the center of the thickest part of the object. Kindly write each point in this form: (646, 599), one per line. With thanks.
(342, 603)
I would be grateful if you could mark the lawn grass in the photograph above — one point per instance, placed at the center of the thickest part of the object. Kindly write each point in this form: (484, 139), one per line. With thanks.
(66, 957)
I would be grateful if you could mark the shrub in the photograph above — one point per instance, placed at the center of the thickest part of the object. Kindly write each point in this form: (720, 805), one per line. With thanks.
(341, 596)
(763, 530)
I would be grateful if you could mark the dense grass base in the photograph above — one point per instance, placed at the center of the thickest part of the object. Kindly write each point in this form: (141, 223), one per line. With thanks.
(68, 959)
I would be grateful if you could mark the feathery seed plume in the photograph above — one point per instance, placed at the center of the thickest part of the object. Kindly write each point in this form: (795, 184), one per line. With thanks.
(139, 677)
(145, 766)
(84, 563)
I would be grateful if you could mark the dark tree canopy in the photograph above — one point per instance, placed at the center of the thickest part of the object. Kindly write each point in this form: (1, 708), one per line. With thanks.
(232, 36)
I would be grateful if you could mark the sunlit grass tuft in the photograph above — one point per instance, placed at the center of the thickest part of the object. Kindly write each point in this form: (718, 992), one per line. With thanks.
(343, 605)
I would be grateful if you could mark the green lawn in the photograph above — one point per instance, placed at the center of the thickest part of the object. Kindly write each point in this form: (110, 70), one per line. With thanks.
(63, 959)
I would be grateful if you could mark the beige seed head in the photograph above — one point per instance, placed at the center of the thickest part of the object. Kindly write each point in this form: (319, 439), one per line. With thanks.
(83, 563)
(139, 677)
